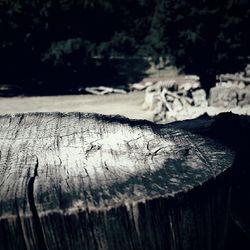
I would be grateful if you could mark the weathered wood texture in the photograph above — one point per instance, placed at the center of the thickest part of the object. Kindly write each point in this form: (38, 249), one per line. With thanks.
(234, 131)
(86, 181)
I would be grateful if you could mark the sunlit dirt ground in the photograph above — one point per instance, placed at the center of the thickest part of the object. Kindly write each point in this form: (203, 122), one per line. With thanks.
(129, 105)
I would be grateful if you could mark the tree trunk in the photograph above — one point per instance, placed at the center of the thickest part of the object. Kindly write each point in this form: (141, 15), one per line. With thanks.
(234, 131)
(86, 181)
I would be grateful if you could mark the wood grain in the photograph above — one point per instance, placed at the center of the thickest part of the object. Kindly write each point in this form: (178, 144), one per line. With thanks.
(87, 181)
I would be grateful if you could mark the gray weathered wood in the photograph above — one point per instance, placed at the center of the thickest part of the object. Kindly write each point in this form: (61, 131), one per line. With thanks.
(232, 77)
(234, 131)
(86, 181)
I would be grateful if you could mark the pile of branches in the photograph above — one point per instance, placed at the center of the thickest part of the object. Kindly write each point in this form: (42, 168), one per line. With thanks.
(172, 99)
(182, 97)
(232, 90)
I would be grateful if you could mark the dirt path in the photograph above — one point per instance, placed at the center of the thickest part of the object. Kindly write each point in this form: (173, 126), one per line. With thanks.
(129, 105)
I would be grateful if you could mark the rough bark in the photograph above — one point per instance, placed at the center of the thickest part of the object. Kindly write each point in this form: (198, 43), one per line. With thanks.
(85, 181)
(234, 131)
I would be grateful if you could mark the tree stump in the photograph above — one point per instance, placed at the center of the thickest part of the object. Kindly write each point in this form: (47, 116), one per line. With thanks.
(87, 181)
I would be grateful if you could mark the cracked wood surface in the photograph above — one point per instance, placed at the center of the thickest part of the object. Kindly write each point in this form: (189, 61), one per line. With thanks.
(68, 180)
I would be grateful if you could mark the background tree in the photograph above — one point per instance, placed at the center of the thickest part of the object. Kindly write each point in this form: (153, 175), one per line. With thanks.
(202, 37)
(69, 43)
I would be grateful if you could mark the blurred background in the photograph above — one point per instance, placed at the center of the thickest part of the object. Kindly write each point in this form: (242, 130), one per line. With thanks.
(62, 47)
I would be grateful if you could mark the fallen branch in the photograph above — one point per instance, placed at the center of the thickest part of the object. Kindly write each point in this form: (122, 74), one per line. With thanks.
(101, 90)
(181, 98)
(230, 77)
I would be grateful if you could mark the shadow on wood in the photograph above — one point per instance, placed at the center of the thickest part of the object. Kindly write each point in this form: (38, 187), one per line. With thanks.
(87, 181)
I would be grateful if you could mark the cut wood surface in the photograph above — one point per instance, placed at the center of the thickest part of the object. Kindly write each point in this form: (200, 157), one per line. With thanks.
(86, 181)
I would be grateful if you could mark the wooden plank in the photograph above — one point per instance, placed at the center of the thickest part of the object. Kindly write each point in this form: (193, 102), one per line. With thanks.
(87, 181)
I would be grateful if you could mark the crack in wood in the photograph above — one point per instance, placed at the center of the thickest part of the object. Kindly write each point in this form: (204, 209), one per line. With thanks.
(92, 149)
(17, 125)
(36, 220)
(102, 165)
(201, 155)
(43, 137)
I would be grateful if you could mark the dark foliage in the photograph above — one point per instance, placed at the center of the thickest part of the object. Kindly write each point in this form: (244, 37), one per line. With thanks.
(52, 44)
(202, 37)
